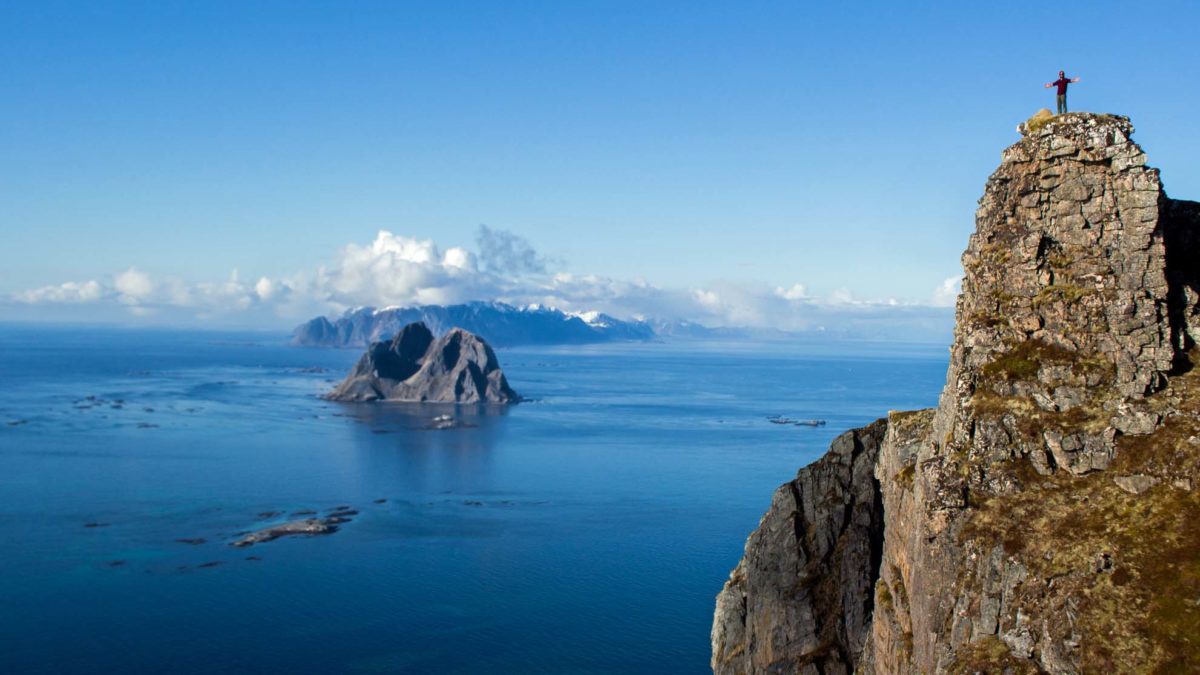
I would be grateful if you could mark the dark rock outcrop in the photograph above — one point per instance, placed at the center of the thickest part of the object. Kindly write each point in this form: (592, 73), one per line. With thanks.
(500, 324)
(1044, 517)
(800, 597)
(415, 367)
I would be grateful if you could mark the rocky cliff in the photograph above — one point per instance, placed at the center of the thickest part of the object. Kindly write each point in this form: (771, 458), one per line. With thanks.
(413, 366)
(1045, 516)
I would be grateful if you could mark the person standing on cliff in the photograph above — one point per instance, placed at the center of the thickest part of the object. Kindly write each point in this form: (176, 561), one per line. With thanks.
(1062, 83)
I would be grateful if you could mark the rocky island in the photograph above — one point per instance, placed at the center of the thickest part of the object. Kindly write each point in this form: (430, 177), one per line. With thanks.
(1045, 516)
(413, 366)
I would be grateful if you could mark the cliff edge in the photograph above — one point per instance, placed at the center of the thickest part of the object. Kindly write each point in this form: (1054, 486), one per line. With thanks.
(1045, 516)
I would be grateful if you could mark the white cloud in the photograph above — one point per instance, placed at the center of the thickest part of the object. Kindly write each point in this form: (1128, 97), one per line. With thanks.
(133, 286)
(796, 292)
(946, 294)
(459, 258)
(395, 270)
(707, 298)
(264, 288)
(843, 296)
(69, 292)
(505, 253)
(398, 270)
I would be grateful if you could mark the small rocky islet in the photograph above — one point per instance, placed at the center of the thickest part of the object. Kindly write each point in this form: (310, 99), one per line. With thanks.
(311, 525)
(317, 525)
(788, 421)
(307, 526)
(327, 524)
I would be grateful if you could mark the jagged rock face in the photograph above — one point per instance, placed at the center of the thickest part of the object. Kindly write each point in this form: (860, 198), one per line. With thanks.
(800, 599)
(1063, 313)
(1045, 516)
(455, 368)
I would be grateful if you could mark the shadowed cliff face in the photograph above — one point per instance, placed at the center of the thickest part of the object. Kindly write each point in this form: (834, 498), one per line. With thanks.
(1042, 516)
(400, 358)
(804, 591)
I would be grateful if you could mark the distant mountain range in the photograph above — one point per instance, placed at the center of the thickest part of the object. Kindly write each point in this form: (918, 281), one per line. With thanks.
(500, 324)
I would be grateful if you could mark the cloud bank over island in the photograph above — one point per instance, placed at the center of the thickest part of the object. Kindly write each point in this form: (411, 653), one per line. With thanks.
(396, 270)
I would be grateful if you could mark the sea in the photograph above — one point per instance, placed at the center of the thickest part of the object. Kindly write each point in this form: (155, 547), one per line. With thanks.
(585, 530)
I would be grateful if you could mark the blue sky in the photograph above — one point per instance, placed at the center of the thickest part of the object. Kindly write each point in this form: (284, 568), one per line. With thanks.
(687, 147)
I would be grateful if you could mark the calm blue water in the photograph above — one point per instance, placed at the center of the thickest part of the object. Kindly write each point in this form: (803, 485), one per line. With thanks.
(585, 532)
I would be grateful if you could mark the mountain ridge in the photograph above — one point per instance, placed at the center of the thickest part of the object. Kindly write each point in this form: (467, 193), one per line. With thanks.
(501, 324)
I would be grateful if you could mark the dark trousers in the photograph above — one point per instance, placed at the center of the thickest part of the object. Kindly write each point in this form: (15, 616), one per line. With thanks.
(1062, 103)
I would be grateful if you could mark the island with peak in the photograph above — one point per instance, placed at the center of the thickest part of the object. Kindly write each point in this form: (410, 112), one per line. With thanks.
(416, 367)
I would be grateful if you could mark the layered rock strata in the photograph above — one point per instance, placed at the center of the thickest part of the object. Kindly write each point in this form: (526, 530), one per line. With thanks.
(1044, 517)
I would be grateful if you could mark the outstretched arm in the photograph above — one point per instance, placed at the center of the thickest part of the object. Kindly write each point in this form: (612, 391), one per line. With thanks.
(1049, 84)
(1076, 79)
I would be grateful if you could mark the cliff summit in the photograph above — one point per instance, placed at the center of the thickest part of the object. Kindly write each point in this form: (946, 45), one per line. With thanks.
(1045, 517)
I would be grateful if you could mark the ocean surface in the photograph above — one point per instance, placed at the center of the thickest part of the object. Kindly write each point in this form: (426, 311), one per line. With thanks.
(585, 531)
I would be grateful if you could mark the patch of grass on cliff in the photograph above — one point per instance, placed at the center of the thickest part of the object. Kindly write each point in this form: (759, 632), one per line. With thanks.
(1031, 420)
(901, 591)
(1132, 560)
(1059, 259)
(989, 655)
(905, 427)
(1060, 293)
(1039, 120)
(1138, 614)
(909, 425)
(902, 420)
(883, 595)
(985, 318)
(1023, 361)
(996, 253)
(991, 310)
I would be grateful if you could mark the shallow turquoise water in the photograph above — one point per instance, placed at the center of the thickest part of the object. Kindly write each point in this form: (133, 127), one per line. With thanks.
(585, 531)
